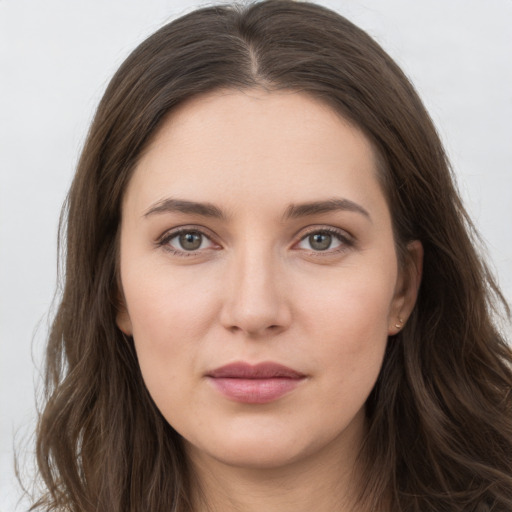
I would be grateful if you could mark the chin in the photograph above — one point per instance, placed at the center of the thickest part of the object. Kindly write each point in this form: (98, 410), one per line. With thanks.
(258, 452)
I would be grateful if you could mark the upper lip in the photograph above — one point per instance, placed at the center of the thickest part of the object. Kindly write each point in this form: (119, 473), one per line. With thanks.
(265, 370)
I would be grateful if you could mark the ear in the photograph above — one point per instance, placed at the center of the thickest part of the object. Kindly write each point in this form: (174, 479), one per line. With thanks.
(407, 287)
(123, 320)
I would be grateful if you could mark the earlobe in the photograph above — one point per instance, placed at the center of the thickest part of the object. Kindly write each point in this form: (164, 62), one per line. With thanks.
(408, 285)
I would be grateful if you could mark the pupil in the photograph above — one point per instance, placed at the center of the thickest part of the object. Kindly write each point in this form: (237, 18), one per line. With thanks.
(190, 241)
(320, 241)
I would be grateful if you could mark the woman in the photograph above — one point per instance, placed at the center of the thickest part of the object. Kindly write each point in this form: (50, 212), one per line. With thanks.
(272, 297)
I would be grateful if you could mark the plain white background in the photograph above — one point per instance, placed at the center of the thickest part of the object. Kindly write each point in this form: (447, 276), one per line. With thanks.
(56, 58)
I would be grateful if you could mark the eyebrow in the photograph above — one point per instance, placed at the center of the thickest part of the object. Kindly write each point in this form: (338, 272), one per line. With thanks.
(318, 207)
(182, 206)
(293, 211)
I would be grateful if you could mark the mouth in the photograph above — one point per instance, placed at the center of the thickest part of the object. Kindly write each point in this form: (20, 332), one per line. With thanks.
(255, 384)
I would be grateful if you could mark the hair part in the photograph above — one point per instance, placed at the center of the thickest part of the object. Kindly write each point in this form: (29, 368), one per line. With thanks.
(440, 429)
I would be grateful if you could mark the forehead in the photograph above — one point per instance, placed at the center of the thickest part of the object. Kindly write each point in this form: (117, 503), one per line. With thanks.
(262, 145)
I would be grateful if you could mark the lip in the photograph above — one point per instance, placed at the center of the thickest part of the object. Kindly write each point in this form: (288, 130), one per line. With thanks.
(255, 384)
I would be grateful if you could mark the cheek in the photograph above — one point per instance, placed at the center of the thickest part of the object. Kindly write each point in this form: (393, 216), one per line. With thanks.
(350, 326)
(162, 303)
(354, 304)
(169, 321)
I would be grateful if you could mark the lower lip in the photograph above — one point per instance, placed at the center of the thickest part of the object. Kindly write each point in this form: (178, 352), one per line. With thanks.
(255, 391)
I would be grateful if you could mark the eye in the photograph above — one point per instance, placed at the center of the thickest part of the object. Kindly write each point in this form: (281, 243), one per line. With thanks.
(186, 241)
(323, 240)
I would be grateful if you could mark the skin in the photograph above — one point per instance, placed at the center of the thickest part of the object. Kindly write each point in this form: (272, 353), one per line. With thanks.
(259, 289)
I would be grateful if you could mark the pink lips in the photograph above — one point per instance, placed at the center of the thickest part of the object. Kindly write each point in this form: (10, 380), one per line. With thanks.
(258, 384)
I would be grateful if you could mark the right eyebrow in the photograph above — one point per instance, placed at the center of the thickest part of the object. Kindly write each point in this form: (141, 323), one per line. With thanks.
(170, 205)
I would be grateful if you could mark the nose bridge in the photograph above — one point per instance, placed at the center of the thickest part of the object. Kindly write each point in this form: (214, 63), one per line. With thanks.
(256, 299)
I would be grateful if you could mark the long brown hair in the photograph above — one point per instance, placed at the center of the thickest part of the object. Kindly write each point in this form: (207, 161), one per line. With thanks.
(440, 415)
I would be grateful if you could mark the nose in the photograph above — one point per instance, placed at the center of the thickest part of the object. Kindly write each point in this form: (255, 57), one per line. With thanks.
(256, 295)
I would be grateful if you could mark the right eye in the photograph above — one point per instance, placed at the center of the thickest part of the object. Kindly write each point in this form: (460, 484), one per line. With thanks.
(186, 241)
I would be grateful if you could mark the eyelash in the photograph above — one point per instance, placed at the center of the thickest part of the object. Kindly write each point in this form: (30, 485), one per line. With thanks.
(346, 241)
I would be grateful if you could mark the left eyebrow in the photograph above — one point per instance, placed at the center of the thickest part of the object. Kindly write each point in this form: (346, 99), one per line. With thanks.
(317, 207)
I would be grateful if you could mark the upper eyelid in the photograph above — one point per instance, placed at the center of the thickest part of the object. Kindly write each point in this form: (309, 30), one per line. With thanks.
(172, 232)
(304, 232)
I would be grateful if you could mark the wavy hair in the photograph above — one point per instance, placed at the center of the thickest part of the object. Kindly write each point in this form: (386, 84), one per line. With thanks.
(440, 415)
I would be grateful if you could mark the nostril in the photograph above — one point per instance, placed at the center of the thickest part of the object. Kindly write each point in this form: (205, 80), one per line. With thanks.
(254, 311)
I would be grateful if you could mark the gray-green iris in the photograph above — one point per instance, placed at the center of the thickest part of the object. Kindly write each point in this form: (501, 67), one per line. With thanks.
(190, 241)
(320, 241)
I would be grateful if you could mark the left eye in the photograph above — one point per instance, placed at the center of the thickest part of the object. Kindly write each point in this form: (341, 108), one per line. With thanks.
(188, 241)
(321, 241)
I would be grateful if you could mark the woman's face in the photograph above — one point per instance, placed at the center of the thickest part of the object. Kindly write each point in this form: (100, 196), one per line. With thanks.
(260, 276)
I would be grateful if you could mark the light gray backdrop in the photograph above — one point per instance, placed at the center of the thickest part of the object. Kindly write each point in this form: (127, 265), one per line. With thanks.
(55, 60)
